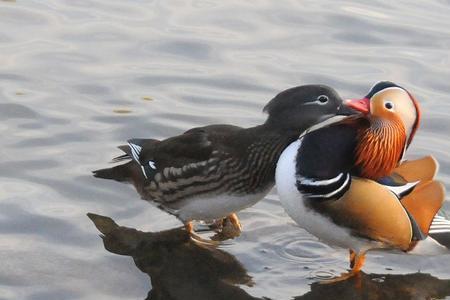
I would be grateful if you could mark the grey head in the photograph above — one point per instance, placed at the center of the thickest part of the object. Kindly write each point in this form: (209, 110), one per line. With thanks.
(301, 107)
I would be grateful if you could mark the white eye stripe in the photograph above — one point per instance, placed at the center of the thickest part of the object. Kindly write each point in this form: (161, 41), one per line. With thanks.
(313, 102)
(321, 103)
(310, 103)
(322, 99)
(317, 101)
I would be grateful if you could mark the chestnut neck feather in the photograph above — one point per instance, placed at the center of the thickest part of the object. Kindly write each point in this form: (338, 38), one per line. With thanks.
(380, 147)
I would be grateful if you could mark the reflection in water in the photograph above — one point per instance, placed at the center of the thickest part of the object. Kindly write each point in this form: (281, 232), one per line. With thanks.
(178, 267)
(182, 269)
(77, 61)
(375, 286)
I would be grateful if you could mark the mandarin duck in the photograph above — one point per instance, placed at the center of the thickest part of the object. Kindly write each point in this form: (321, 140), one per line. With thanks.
(211, 172)
(345, 183)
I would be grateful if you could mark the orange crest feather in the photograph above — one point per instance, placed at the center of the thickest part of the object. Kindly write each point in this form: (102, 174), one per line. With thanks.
(380, 148)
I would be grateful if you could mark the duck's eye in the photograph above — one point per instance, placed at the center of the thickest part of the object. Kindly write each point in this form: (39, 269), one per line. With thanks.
(389, 105)
(322, 99)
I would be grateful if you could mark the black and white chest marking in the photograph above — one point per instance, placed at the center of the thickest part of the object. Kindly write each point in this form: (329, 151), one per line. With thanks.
(324, 189)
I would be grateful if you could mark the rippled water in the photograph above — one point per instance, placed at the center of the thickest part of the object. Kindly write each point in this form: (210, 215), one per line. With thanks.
(78, 78)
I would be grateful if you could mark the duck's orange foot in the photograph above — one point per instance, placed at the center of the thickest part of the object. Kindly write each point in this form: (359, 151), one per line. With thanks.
(357, 261)
(234, 220)
(189, 227)
(196, 238)
(342, 277)
(231, 228)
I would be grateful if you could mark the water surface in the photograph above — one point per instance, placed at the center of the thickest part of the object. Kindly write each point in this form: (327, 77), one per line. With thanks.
(77, 78)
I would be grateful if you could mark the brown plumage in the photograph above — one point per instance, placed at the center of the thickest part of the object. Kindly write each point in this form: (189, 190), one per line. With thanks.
(393, 117)
(386, 203)
(208, 173)
(363, 196)
(380, 147)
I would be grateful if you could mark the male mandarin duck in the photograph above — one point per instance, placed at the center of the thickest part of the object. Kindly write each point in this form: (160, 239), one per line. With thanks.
(211, 172)
(327, 179)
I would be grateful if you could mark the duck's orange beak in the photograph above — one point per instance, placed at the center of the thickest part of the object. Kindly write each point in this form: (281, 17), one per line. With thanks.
(362, 105)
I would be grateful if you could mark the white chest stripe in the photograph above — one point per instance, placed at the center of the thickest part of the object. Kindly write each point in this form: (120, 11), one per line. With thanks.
(331, 194)
(325, 182)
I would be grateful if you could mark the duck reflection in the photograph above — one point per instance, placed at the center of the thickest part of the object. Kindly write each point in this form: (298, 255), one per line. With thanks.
(178, 267)
(377, 287)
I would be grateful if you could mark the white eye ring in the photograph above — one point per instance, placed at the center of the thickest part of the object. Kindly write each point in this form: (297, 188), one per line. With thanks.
(389, 105)
(322, 99)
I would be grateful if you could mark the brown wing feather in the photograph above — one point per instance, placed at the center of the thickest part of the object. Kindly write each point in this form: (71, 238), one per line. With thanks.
(371, 211)
(424, 202)
(423, 169)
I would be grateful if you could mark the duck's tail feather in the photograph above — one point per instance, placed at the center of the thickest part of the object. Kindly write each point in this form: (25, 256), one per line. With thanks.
(440, 230)
(125, 172)
(424, 202)
(126, 156)
(133, 149)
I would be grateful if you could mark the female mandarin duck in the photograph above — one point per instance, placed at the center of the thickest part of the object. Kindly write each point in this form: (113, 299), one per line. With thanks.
(211, 172)
(326, 179)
